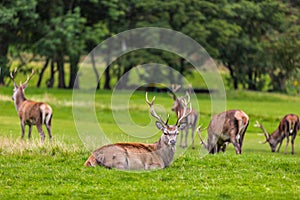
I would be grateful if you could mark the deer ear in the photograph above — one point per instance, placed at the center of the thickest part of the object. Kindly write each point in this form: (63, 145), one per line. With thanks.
(182, 126)
(159, 125)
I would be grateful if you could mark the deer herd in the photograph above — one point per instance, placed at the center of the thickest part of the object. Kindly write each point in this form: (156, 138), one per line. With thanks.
(224, 128)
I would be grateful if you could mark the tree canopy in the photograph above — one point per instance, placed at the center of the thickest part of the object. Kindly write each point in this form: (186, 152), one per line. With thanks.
(255, 41)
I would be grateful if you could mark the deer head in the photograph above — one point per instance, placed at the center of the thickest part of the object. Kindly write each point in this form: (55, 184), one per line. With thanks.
(170, 132)
(273, 141)
(21, 87)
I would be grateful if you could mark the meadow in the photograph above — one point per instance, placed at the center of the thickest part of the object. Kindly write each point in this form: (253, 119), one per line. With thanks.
(55, 170)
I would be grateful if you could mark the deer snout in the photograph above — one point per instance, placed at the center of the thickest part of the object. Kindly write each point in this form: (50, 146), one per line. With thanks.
(172, 142)
(273, 150)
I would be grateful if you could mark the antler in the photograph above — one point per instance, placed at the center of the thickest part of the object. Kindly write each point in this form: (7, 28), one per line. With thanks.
(174, 88)
(199, 129)
(12, 76)
(186, 95)
(153, 113)
(184, 114)
(28, 77)
(257, 124)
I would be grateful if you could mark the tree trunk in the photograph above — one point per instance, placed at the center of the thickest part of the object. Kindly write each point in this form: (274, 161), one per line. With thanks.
(3, 59)
(61, 71)
(107, 71)
(107, 78)
(50, 82)
(95, 69)
(42, 73)
(251, 81)
(181, 70)
(73, 72)
(233, 77)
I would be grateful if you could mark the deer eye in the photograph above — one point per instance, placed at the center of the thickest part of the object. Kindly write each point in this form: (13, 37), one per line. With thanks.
(166, 133)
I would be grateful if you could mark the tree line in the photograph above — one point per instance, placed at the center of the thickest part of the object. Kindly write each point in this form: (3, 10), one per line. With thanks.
(257, 41)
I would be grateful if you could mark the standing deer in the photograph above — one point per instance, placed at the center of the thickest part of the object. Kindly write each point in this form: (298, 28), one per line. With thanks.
(226, 127)
(141, 156)
(30, 112)
(288, 126)
(191, 120)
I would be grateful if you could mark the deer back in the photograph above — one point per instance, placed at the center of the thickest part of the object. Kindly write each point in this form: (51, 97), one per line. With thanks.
(289, 124)
(31, 112)
(224, 124)
(129, 156)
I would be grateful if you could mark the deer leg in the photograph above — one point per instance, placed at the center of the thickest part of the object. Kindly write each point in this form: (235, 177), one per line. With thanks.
(186, 136)
(193, 135)
(48, 125)
(213, 150)
(49, 131)
(181, 137)
(280, 143)
(223, 149)
(287, 144)
(218, 148)
(241, 140)
(293, 138)
(42, 134)
(235, 143)
(29, 131)
(23, 130)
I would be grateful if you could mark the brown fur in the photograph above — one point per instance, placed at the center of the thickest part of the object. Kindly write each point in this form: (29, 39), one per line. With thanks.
(141, 156)
(228, 126)
(288, 126)
(136, 156)
(32, 113)
(191, 120)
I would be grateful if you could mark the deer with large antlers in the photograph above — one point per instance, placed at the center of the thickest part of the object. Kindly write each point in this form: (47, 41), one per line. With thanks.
(227, 127)
(288, 126)
(31, 112)
(141, 156)
(191, 120)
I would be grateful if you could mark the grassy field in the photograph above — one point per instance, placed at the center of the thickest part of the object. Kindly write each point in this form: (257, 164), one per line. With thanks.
(32, 171)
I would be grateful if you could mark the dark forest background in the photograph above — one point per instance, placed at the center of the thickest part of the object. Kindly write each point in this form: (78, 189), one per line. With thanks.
(257, 42)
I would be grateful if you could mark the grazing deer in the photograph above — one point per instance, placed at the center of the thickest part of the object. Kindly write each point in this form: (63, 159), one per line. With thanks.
(191, 120)
(288, 126)
(140, 156)
(30, 112)
(226, 127)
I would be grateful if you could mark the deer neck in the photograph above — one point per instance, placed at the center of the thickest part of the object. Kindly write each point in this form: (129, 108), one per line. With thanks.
(19, 98)
(179, 110)
(276, 135)
(165, 151)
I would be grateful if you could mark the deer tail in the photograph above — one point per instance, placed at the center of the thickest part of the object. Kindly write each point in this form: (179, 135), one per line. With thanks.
(46, 113)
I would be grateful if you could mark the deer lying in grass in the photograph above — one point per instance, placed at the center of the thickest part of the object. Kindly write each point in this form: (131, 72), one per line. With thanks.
(288, 126)
(190, 120)
(226, 127)
(140, 156)
(30, 112)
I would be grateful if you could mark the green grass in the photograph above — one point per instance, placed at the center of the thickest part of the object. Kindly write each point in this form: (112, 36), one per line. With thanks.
(55, 170)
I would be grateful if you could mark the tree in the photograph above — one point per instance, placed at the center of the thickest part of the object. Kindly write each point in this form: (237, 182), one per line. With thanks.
(16, 22)
(241, 54)
(283, 53)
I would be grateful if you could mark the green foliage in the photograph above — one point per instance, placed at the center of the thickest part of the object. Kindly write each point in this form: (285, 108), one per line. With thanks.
(248, 37)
